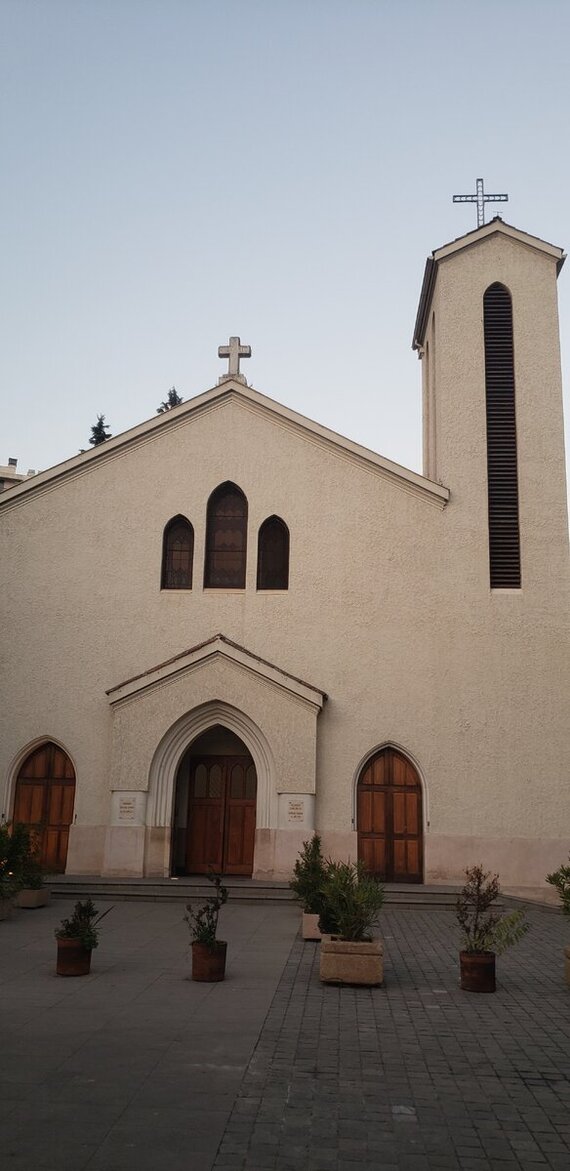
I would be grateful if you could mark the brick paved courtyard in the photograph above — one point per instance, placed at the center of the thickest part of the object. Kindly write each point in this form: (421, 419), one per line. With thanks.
(136, 1067)
(418, 1075)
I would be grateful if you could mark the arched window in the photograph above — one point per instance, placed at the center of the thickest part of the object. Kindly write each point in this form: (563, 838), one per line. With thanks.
(177, 555)
(502, 475)
(226, 539)
(273, 555)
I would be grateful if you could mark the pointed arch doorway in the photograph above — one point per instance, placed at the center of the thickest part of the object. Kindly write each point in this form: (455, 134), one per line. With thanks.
(44, 800)
(389, 817)
(215, 806)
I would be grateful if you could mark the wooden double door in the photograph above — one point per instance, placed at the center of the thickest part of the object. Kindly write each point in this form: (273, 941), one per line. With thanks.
(389, 818)
(222, 794)
(45, 795)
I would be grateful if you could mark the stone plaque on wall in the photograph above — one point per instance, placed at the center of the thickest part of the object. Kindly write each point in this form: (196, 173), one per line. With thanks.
(296, 809)
(126, 809)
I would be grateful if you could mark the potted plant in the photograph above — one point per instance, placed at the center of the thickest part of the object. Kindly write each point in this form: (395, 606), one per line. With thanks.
(31, 893)
(309, 873)
(208, 952)
(560, 879)
(76, 938)
(352, 900)
(486, 932)
(8, 873)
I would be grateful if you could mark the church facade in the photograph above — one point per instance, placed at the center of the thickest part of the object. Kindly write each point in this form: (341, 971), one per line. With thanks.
(229, 625)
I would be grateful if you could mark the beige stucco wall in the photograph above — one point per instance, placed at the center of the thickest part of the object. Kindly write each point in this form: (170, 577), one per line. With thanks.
(389, 609)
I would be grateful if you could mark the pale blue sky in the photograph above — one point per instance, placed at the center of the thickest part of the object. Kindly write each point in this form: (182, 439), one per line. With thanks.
(176, 171)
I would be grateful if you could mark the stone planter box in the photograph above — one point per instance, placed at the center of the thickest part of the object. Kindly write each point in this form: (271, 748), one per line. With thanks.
(310, 927)
(32, 898)
(567, 964)
(343, 962)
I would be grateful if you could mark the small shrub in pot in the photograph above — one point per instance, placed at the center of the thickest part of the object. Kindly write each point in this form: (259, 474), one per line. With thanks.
(309, 873)
(208, 952)
(352, 900)
(485, 931)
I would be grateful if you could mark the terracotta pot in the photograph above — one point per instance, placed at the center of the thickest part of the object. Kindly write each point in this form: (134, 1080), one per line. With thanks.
(209, 964)
(72, 958)
(567, 965)
(31, 897)
(477, 971)
(310, 927)
(344, 962)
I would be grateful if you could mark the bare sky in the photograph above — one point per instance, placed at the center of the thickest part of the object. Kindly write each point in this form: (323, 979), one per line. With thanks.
(176, 171)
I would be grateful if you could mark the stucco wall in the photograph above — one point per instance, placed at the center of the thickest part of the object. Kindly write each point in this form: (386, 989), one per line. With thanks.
(388, 611)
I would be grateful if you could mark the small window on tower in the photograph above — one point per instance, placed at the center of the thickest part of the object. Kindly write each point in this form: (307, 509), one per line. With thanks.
(273, 555)
(177, 555)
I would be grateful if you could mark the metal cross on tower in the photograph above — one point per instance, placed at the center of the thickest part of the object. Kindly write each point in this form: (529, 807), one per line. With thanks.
(480, 199)
(234, 351)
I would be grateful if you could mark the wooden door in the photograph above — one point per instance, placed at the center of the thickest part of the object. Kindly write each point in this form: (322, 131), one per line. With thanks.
(45, 795)
(389, 818)
(221, 815)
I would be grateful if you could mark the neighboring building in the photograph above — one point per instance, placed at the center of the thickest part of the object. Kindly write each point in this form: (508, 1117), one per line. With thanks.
(230, 625)
(9, 475)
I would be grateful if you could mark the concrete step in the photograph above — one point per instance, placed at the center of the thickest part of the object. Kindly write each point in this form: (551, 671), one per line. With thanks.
(242, 890)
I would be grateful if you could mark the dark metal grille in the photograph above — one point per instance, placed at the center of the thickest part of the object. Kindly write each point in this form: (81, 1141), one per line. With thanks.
(502, 473)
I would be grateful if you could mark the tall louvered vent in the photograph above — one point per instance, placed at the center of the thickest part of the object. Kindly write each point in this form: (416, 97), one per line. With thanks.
(504, 539)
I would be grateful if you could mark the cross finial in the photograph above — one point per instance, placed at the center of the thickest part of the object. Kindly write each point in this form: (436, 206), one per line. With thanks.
(234, 351)
(480, 199)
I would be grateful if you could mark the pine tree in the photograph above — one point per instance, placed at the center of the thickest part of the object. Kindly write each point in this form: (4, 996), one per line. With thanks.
(99, 432)
(173, 400)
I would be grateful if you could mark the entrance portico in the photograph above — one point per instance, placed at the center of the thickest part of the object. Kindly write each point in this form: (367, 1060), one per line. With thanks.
(157, 716)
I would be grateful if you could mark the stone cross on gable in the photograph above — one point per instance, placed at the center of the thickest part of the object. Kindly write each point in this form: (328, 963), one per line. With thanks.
(234, 351)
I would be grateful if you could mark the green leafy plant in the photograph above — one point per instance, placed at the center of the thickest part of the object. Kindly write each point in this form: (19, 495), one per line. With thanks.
(9, 883)
(560, 879)
(351, 901)
(203, 921)
(172, 400)
(25, 849)
(309, 874)
(83, 924)
(485, 930)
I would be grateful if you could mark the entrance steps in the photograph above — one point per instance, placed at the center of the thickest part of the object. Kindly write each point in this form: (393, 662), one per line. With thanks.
(241, 890)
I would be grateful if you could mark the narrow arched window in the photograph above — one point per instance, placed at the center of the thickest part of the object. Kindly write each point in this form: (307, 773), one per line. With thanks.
(273, 555)
(226, 539)
(502, 473)
(177, 555)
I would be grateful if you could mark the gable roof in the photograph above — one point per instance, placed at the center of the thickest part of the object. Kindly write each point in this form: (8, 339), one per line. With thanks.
(217, 647)
(496, 226)
(219, 395)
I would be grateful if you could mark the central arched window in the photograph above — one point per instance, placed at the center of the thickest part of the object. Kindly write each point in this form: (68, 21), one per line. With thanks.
(226, 539)
(177, 554)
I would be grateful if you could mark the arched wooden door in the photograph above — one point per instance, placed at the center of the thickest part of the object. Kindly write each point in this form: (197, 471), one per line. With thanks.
(389, 818)
(45, 794)
(222, 796)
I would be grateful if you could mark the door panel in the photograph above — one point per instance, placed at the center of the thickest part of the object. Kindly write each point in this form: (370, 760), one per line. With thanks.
(389, 818)
(44, 800)
(221, 815)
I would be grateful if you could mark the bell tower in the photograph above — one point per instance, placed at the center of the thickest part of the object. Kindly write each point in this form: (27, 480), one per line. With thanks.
(488, 338)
